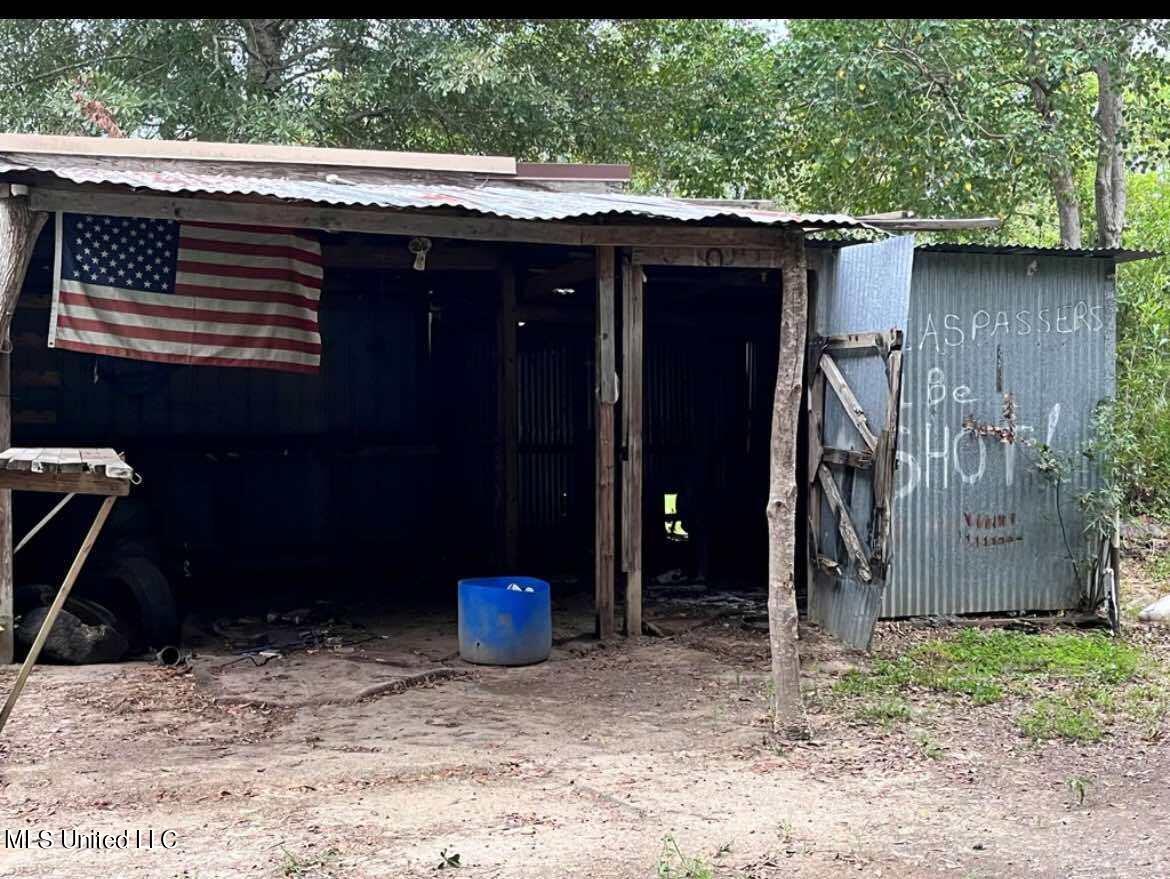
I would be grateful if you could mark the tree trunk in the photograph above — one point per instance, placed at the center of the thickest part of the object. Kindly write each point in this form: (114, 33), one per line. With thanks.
(788, 717)
(1109, 185)
(1060, 173)
(264, 39)
(19, 228)
(1068, 206)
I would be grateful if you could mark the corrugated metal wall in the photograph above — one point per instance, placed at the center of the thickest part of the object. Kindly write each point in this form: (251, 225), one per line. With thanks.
(364, 464)
(867, 289)
(976, 526)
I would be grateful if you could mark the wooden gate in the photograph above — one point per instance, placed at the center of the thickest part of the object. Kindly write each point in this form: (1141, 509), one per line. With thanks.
(850, 570)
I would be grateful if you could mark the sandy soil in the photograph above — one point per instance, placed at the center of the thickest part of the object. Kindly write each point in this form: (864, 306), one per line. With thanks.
(317, 764)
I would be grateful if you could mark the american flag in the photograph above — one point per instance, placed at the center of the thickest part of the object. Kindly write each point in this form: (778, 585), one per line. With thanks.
(179, 292)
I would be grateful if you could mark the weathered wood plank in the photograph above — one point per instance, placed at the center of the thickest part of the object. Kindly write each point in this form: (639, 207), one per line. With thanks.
(884, 471)
(508, 426)
(20, 459)
(709, 257)
(386, 222)
(816, 414)
(63, 483)
(852, 341)
(603, 542)
(847, 457)
(848, 400)
(632, 415)
(213, 156)
(845, 523)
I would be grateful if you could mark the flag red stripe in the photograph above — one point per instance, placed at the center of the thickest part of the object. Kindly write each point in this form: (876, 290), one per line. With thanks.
(157, 335)
(268, 274)
(247, 295)
(250, 249)
(188, 313)
(185, 359)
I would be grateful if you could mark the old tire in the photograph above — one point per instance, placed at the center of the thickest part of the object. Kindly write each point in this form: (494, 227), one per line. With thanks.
(139, 595)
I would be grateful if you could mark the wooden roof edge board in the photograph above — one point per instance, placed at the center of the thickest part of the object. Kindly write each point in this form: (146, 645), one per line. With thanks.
(409, 222)
(572, 171)
(261, 153)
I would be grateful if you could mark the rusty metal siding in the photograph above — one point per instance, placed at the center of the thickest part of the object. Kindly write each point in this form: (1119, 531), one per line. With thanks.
(976, 527)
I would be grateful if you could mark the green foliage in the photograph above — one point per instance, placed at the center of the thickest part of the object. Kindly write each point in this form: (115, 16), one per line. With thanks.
(1061, 718)
(1136, 430)
(885, 711)
(691, 102)
(674, 864)
(1079, 785)
(1074, 684)
(940, 116)
(982, 665)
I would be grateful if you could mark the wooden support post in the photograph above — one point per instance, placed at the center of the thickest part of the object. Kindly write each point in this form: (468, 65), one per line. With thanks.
(607, 392)
(788, 717)
(631, 398)
(19, 228)
(7, 587)
(55, 608)
(508, 424)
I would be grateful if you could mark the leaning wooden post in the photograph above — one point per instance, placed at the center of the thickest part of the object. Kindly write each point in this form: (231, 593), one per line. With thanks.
(631, 394)
(788, 717)
(607, 392)
(19, 228)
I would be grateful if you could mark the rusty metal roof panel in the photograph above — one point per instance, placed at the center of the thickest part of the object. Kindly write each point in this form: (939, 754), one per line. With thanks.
(344, 189)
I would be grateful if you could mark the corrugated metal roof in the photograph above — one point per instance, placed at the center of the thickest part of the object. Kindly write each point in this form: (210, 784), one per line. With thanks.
(1118, 254)
(340, 189)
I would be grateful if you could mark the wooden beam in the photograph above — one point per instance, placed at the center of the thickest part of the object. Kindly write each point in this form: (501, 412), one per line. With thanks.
(845, 523)
(848, 400)
(632, 468)
(268, 154)
(883, 479)
(19, 227)
(788, 715)
(63, 483)
(55, 608)
(709, 257)
(864, 341)
(508, 427)
(603, 537)
(847, 457)
(387, 221)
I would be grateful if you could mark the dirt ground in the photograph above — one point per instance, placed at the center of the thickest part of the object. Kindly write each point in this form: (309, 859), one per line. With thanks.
(391, 757)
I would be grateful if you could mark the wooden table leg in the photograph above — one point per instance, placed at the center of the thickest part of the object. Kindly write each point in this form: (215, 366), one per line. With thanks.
(55, 608)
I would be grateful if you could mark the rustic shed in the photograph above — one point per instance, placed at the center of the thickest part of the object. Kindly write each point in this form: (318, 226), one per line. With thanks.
(572, 372)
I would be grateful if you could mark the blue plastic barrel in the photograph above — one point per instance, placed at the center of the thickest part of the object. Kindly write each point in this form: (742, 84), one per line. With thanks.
(504, 620)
